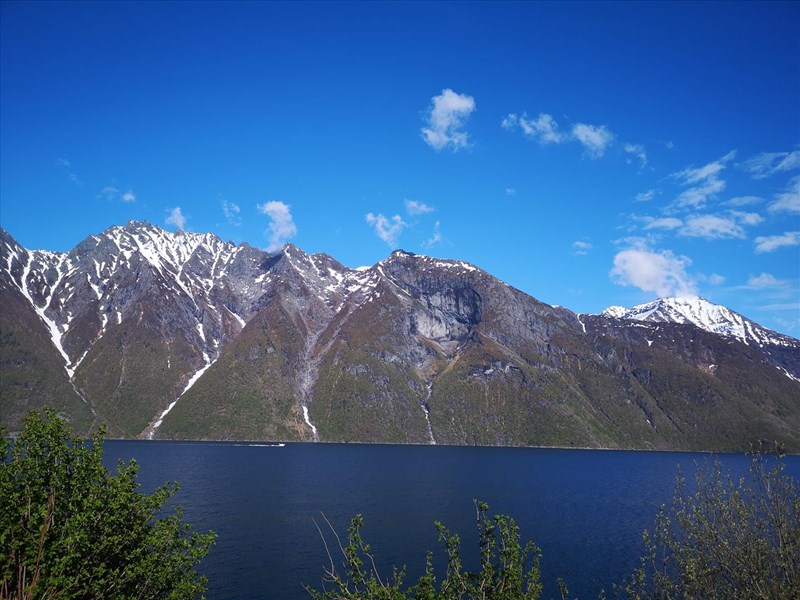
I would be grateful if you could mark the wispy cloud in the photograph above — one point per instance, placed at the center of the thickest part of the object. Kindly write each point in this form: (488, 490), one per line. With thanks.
(445, 120)
(436, 238)
(747, 218)
(662, 223)
(789, 199)
(715, 279)
(67, 167)
(646, 196)
(387, 229)
(704, 182)
(782, 306)
(581, 247)
(765, 280)
(232, 213)
(176, 218)
(744, 201)
(511, 191)
(543, 129)
(637, 151)
(770, 243)
(109, 192)
(765, 164)
(595, 139)
(711, 227)
(414, 207)
(281, 224)
(662, 273)
(112, 193)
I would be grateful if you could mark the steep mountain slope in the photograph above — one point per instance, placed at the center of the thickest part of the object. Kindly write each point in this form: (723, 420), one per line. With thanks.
(122, 306)
(184, 336)
(32, 373)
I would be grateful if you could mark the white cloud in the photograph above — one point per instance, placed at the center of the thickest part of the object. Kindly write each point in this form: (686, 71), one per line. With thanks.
(232, 210)
(646, 196)
(637, 151)
(413, 207)
(581, 248)
(176, 218)
(511, 191)
(788, 200)
(662, 223)
(281, 224)
(436, 238)
(445, 120)
(715, 279)
(388, 230)
(109, 193)
(112, 193)
(747, 218)
(711, 227)
(661, 273)
(704, 181)
(782, 306)
(543, 128)
(771, 243)
(765, 280)
(744, 201)
(596, 139)
(67, 165)
(692, 175)
(765, 164)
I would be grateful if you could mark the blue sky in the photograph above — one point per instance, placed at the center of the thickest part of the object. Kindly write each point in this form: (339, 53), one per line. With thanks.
(588, 154)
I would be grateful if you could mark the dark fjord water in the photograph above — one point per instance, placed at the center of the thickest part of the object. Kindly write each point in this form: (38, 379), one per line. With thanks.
(585, 509)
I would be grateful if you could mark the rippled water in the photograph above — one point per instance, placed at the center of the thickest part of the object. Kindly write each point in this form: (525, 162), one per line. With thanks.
(585, 509)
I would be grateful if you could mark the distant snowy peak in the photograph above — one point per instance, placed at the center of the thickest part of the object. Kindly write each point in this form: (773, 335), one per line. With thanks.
(705, 315)
(617, 312)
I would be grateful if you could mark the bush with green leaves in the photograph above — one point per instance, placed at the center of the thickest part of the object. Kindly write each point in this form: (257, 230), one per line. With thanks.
(508, 570)
(727, 539)
(71, 529)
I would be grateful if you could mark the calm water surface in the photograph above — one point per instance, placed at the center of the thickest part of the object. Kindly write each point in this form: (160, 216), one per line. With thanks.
(585, 509)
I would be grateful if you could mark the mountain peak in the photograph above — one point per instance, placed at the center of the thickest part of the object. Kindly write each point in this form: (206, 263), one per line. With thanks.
(704, 314)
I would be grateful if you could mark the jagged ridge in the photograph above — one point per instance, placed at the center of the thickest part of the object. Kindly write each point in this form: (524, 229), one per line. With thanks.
(184, 335)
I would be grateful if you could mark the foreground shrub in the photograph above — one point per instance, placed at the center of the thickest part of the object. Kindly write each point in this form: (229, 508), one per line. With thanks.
(507, 570)
(70, 529)
(726, 540)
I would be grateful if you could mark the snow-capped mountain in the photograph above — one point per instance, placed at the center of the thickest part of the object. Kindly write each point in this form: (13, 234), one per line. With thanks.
(182, 335)
(701, 313)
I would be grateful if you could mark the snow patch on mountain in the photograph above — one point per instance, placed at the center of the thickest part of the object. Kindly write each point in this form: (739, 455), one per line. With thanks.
(706, 315)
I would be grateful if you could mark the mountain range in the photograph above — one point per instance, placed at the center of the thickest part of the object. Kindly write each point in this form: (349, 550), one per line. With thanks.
(183, 336)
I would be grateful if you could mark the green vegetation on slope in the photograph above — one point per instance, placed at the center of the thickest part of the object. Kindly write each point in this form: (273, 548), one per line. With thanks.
(32, 371)
(248, 394)
(134, 371)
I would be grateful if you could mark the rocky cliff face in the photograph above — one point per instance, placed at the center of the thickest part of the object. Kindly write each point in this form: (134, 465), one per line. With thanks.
(184, 336)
